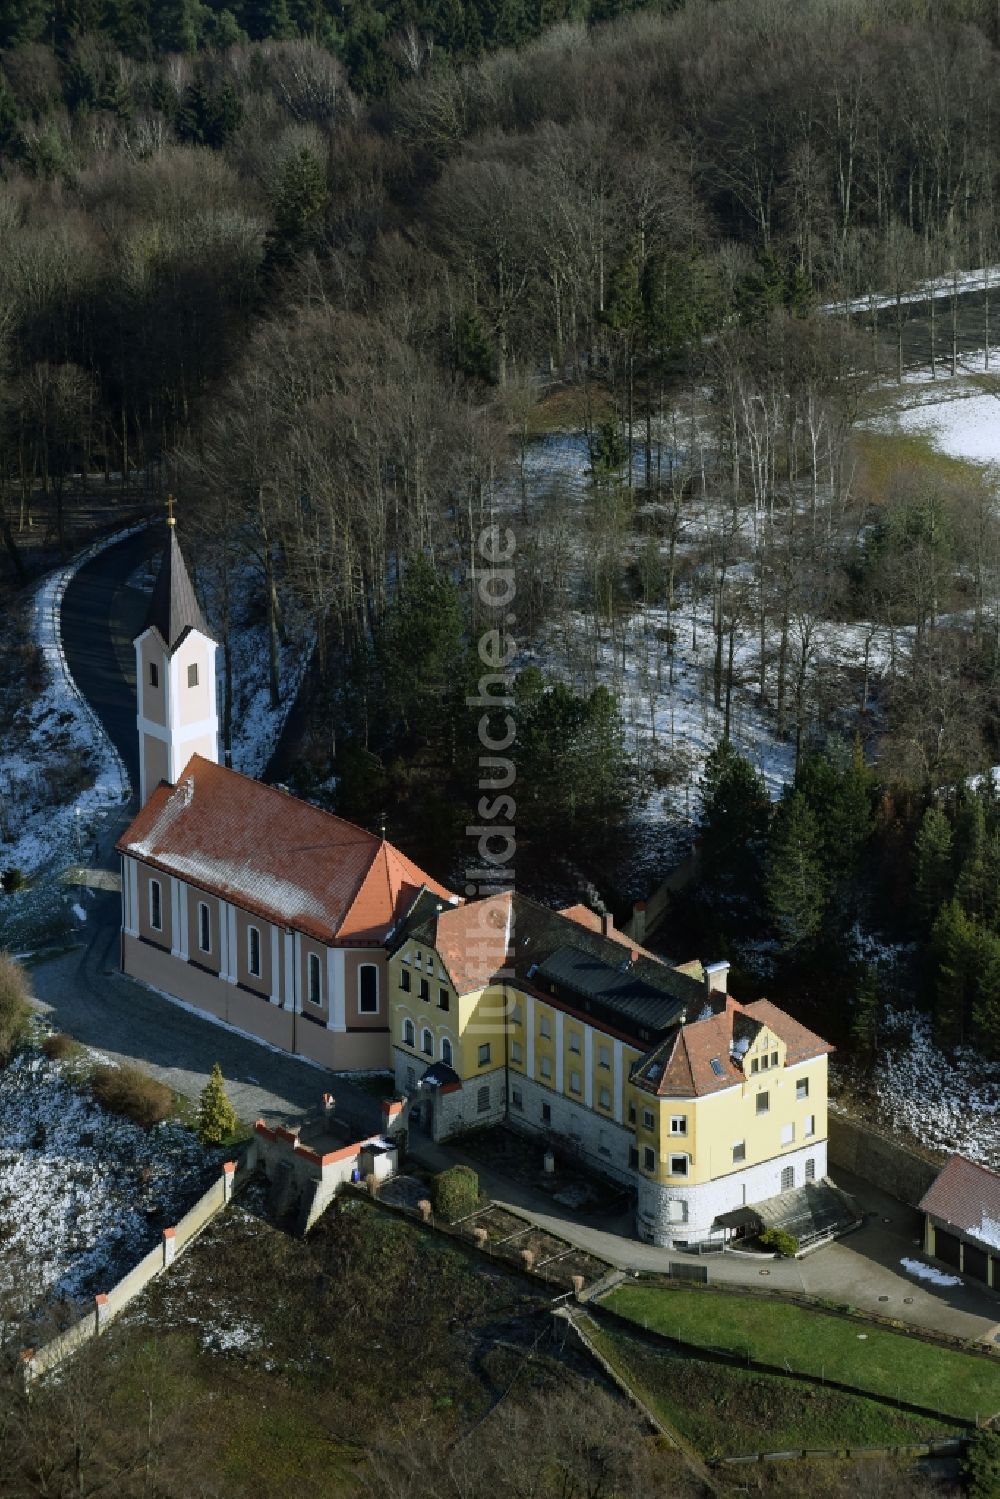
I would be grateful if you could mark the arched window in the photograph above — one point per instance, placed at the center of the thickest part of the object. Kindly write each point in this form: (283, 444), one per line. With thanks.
(314, 991)
(409, 1034)
(368, 989)
(446, 1052)
(426, 1042)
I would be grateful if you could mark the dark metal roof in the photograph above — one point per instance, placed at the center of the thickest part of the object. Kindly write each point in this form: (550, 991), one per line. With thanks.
(439, 1075)
(618, 987)
(173, 609)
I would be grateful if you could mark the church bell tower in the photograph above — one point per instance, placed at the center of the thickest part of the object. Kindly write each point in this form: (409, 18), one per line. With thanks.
(177, 712)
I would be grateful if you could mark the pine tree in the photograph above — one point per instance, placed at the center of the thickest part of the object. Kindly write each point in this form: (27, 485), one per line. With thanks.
(734, 806)
(795, 881)
(971, 886)
(216, 1116)
(301, 198)
(986, 994)
(955, 950)
(867, 1013)
(933, 877)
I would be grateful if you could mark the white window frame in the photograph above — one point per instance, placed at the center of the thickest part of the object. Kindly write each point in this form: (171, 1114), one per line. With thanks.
(678, 1124)
(378, 997)
(801, 1089)
(788, 1134)
(680, 1156)
(253, 931)
(313, 965)
(155, 907)
(604, 1056)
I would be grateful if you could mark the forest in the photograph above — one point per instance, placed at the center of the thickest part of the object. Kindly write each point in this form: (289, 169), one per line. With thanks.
(337, 274)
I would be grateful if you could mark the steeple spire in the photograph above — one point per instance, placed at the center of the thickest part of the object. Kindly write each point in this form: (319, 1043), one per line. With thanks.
(174, 609)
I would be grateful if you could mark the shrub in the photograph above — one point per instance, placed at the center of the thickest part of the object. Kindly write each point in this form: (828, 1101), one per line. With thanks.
(456, 1192)
(981, 1468)
(133, 1093)
(15, 1010)
(216, 1116)
(59, 1046)
(784, 1244)
(12, 880)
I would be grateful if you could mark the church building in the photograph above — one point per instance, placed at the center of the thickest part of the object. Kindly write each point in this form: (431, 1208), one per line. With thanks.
(238, 898)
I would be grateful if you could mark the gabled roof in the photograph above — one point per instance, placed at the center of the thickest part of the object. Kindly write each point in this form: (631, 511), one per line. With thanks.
(704, 1056)
(593, 922)
(276, 856)
(967, 1196)
(174, 609)
(509, 937)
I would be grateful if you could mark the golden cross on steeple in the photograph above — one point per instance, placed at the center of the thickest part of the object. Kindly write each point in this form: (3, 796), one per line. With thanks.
(170, 511)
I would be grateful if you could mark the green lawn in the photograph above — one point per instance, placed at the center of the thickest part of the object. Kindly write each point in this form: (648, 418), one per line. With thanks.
(867, 1357)
(725, 1411)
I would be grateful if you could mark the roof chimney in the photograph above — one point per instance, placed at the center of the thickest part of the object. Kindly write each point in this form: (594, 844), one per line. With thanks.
(633, 956)
(607, 924)
(716, 976)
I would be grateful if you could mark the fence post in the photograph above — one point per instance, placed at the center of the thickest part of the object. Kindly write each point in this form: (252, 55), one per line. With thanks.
(169, 1245)
(228, 1176)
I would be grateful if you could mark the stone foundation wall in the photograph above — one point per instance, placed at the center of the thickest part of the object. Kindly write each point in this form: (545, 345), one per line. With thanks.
(655, 1220)
(599, 1143)
(884, 1162)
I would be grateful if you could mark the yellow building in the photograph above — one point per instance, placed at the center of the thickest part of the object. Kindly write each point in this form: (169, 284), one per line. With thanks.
(558, 1024)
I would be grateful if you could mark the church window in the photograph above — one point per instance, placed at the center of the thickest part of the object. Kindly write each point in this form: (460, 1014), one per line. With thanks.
(315, 981)
(409, 1034)
(446, 1052)
(154, 675)
(253, 951)
(204, 927)
(155, 906)
(193, 674)
(368, 989)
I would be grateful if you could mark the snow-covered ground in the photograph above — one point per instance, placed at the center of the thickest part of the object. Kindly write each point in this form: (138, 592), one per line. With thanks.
(960, 414)
(985, 278)
(930, 1273)
(59, 773)
(83, 1193)
(948, 1102)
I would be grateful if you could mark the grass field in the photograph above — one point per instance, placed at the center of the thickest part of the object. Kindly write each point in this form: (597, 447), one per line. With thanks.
(725, 1411)
(869, 1358)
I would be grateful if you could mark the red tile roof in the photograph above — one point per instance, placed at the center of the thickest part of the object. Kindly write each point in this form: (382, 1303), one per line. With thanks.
(967, 1196)
(682, 1066)
(585, 917)
(471, 941)
(274, 855)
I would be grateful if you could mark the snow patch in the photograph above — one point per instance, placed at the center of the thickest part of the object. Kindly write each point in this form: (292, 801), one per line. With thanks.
(930, 1273)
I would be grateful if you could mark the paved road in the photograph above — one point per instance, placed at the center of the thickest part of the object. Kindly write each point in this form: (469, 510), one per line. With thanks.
(101, 615)
(84, 993)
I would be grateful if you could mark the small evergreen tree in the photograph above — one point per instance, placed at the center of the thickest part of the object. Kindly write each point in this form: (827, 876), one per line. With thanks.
(734, 807)
(795, 881)
(932, 876)
(954, 950)
(981, 1466)
(216, 1116)
(867, 1013)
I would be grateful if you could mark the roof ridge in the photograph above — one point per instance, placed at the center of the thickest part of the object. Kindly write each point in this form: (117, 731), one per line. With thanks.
(269, 786)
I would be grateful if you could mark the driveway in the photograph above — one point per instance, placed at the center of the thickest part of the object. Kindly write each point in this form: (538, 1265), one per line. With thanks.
(84, 993)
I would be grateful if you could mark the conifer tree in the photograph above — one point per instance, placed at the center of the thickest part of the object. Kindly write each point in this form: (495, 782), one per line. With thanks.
(733, 809)
(867, 1013)
(216, 1116)
(954, 947)
(933, 874)
(795, 881)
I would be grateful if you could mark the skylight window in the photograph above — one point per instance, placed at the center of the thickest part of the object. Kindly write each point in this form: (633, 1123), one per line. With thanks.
(716, 1067)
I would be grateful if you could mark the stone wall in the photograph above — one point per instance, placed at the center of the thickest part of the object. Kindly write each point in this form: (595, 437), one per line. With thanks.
(655, 1220)
(884, 1162)
(580, 1133)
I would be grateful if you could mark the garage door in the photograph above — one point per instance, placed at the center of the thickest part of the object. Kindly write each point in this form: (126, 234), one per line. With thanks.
(947, 1247)
(977, 1263)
